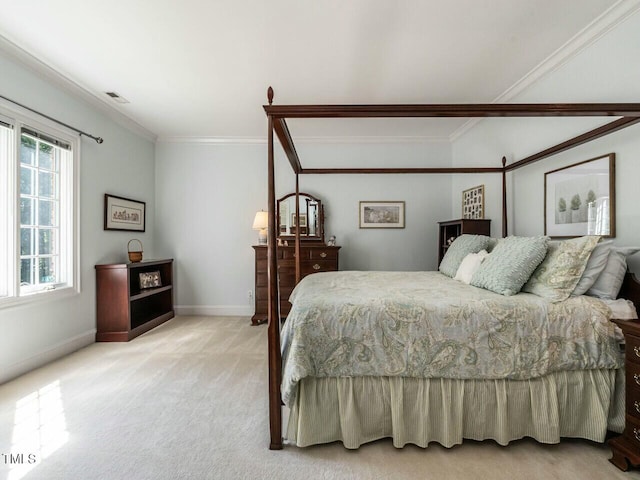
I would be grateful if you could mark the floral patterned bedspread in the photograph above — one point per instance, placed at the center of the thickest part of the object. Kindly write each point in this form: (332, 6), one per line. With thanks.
(427, 325)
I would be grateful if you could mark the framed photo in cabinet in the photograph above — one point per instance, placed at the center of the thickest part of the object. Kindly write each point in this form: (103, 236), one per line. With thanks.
(150, 280)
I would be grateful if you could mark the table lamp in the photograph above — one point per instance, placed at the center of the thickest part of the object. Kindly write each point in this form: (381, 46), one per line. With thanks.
(260, 223)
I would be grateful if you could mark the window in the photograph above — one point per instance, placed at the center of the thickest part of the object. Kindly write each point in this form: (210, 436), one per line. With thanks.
(37, 210)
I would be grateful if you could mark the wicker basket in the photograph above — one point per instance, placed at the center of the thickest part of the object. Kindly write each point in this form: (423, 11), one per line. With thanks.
(134, 255)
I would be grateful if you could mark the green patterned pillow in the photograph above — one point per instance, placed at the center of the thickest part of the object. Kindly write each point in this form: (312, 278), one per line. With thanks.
(557, 276)
(460, 248)
(510, 264)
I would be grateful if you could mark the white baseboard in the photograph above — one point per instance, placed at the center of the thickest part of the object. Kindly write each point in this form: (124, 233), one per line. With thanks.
(215, 310)
(49, 355)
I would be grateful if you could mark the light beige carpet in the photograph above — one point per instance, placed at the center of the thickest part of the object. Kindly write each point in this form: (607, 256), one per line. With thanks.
(188, 400)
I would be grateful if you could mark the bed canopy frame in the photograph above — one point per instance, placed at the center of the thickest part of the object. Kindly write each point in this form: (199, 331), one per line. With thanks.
(277, 115)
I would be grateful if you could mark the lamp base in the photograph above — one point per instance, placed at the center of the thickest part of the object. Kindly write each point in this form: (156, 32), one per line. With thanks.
(262, 237)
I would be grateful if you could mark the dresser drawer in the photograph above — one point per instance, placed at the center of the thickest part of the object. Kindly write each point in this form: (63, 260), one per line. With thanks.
(323, 254)
(290, 253)
(632, 394)
(261, 279)
(633, 404)
(315, 266)
(632, 348)
(632, 372)
(632, 430)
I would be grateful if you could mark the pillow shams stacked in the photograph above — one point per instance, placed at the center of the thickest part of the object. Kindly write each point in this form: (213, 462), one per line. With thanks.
(610, 280)
(596, 264)
(557, 276)
(510, 264)
(460, 248)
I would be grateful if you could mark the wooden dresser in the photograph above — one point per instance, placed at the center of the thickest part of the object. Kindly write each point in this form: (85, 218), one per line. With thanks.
(626, 448)
(315, 258)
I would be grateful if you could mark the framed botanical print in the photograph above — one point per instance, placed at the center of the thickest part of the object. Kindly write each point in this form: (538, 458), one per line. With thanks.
(473, 202)
(580, 199)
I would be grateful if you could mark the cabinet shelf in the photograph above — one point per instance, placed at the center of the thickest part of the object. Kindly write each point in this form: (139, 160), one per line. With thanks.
(149, 292)
(124, 310)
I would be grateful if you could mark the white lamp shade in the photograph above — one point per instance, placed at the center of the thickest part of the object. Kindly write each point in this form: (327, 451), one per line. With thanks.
(261, 220)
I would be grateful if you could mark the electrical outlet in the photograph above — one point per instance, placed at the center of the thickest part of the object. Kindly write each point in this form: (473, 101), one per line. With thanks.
(250, 294)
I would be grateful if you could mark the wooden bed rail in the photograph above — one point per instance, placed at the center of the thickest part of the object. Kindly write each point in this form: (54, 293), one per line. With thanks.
(277, 115)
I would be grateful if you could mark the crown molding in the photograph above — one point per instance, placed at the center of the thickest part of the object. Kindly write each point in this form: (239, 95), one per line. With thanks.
(76, 89)
(610, 19)
(307, 140)
(213, 140)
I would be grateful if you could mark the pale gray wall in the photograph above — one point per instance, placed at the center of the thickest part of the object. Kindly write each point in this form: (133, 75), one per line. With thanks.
(208, 194)
(123, 165)
(606, 71)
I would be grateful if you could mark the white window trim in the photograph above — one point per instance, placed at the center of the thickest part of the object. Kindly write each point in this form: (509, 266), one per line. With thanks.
(22, 117)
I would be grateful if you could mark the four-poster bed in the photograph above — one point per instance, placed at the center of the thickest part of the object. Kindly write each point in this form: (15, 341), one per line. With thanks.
(277, 116)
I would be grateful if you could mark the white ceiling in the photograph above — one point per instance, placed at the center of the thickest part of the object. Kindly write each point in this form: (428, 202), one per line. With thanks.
(201, 68)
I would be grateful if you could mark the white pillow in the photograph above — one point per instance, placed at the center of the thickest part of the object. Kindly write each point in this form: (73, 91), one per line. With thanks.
(595, 265)
(469, 265)
(610, 280)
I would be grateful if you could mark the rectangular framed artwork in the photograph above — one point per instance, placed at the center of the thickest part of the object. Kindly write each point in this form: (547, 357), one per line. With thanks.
(580, 199)
(473, 202)
(381, 214)
(123, 214)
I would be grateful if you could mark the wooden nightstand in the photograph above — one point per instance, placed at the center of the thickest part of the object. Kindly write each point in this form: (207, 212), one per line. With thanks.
(626, 448)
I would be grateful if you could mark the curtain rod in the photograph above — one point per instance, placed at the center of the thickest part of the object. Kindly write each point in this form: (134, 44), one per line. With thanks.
(97, 139)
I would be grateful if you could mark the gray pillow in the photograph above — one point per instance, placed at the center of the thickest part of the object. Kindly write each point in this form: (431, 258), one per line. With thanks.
(558, 274)
(460, 248)
(595, 266)
(610, 280)
(510, 264)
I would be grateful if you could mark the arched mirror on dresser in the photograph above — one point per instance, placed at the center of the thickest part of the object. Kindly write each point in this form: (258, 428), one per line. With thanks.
(311, 222)
(315, 255)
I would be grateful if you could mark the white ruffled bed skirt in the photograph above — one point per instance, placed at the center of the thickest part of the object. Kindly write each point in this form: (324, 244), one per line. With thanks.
(581, 404)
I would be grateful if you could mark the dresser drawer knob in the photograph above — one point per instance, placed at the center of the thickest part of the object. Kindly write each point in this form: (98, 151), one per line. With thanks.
(636, 433)
(317, 267)
(636, 377)
(324, 254)
(636, 404)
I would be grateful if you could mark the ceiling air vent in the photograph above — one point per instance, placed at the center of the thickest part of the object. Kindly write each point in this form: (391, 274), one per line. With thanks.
(117, 97)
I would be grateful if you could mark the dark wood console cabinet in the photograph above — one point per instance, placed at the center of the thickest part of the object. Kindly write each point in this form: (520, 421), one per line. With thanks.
(454, 228)
(124, 309)
(315, 258)
(626, 448)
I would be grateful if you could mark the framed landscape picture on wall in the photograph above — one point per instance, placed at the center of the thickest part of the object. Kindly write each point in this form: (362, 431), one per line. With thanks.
(580, 199)
(381, 214)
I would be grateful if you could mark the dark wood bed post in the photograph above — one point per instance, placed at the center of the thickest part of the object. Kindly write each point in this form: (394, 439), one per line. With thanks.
(504, 197)
(273, 333)
(298, 228)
